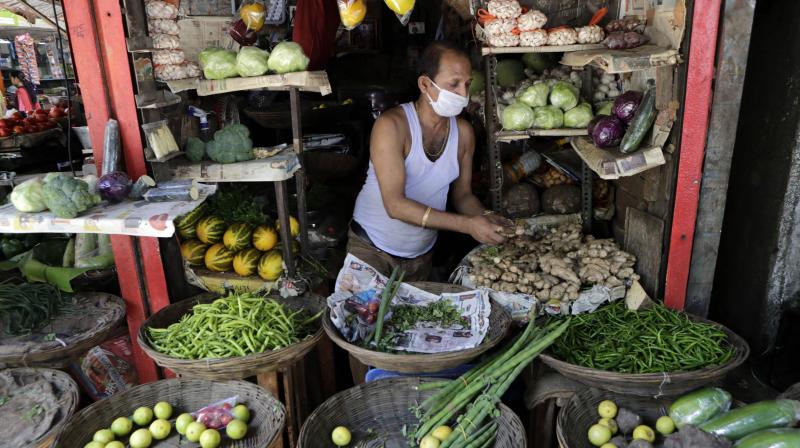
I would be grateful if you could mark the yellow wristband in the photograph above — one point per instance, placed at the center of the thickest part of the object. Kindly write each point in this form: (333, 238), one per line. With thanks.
(425, 217)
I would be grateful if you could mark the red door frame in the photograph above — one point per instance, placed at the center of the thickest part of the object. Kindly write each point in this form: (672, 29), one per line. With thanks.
(696, 110)
(97, 36)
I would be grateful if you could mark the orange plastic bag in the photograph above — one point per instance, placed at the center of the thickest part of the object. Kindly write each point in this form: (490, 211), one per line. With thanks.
(352, 12)
(253, 13)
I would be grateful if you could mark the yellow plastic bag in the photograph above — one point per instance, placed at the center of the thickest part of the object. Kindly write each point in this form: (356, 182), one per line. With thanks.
(400, 7)
(352, 12)
(253, 14)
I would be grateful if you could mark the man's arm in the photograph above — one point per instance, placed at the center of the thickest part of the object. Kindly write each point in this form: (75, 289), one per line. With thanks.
(386, 153)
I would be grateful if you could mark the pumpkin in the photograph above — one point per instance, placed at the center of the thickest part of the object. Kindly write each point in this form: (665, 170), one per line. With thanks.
(210, 229)
(265, 238)
(238, 236)
(270, 266)
(294, 225)
(193, 251)
(245, 263)
(218, 258)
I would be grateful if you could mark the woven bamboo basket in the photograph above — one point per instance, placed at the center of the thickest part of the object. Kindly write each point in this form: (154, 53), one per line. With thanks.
(499, 322)
(267, 414)
(384, 406)
(238, 367)
(66, 391)
(580, 413)
(654, 384)
(99, 315)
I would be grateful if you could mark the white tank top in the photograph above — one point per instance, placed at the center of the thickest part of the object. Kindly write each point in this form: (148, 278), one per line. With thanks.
(427, 182)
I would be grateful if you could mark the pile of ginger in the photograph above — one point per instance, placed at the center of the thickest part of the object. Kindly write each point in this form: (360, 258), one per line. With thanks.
(554, 265)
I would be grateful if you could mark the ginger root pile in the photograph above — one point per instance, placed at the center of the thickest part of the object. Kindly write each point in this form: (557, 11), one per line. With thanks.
(553, 265)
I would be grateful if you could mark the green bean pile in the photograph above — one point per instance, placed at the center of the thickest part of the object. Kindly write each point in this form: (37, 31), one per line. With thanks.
(235, 325)
(657, 340)
(27, 307)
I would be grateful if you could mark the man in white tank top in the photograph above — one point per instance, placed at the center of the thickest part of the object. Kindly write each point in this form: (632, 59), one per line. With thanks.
(420, 152)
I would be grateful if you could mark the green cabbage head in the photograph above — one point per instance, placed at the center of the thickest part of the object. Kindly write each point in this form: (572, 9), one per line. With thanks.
(218, 63)
(548, 117)
(287, 57)
(28, 197)
(251, 61)
(564, 95)
(517, 117)
(535, 95)
(579, 116)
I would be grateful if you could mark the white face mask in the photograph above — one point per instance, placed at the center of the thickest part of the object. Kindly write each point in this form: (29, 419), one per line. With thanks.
(449, 104)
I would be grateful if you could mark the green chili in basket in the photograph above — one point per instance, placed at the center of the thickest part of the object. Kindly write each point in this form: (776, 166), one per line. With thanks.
(235, 325)
(655, 340)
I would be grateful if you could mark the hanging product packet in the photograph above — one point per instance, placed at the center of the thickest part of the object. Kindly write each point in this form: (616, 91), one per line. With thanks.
(253, 13)
(352, 12)
(402, 8)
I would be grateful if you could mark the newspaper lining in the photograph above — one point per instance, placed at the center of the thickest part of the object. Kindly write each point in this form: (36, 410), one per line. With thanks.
(359, 281)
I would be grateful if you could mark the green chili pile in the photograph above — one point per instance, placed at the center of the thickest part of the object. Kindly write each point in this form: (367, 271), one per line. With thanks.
(235, 325)
(27, 307)
(656, 340)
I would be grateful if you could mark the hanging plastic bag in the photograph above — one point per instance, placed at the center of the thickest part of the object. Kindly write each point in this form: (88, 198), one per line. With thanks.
(352, 12)
(403, 9)
(253, 13)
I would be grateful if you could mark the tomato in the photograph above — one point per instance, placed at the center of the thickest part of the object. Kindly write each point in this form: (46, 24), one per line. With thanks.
(6, 123)
(18, 116)
(29, 121)
(19, 130)
(5, 132)
(31, 128)
(56, 112)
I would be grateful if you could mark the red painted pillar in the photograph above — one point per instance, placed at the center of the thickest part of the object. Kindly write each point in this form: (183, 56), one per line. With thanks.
(101, 58)
(696, 109)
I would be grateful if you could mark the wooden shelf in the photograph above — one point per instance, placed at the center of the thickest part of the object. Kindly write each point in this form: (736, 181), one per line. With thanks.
(485, 51)
(316, 81)
(277, 168)
(510, 136)
(623, 61)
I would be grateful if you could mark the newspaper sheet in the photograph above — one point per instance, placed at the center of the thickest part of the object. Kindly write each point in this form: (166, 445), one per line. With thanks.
(360, 282)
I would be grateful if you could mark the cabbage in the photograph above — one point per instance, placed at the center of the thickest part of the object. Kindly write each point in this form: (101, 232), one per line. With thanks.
(28, 196)
(564, 95)
(251, 61)
(605, 108)
(537, 62)
(509, 73)
(607, 132)
(535, 95)
(579, 116)
(548, 117)
(478, 84)
(218, 63)
(287, 57)
(517, 117)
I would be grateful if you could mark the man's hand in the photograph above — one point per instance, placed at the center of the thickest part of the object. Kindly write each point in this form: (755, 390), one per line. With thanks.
(499, 220)
(484, 231)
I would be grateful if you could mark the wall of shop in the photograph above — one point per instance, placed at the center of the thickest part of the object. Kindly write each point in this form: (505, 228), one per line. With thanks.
(757, 283)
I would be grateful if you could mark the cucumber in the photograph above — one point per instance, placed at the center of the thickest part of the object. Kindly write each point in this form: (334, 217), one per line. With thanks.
(641, 123)
(699, 406)
(771, 438)
(740, 422)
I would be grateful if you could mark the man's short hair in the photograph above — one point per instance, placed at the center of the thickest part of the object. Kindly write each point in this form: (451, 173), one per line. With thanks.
(431, 57)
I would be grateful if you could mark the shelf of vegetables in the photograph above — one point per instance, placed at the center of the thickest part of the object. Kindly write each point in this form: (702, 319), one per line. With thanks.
(275, 168)
(485, 51)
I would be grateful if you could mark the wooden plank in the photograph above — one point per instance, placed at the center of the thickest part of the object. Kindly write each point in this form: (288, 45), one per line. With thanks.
(269, 381)
(327, 366)
(644, 236)
(291, 406)
(543, 49)
(508, 136)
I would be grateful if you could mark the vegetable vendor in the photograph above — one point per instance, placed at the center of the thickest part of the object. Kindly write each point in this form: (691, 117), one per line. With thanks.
(419, 153)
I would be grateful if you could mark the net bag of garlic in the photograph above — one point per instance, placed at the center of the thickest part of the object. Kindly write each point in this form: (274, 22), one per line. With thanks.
(591, 34)
(163, 26)
(503, 40)
(499, 26)
(163, 57)
(505, 9)
(166, 42)
(531, 20)
(562, 36)
(535, 38)
(156, 9)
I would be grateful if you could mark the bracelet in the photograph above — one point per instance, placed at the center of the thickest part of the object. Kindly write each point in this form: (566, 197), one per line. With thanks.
(425, 217)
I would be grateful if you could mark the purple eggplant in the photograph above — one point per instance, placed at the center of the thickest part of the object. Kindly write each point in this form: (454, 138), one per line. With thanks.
(114, 186)
(625, 105)
(608, 132)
